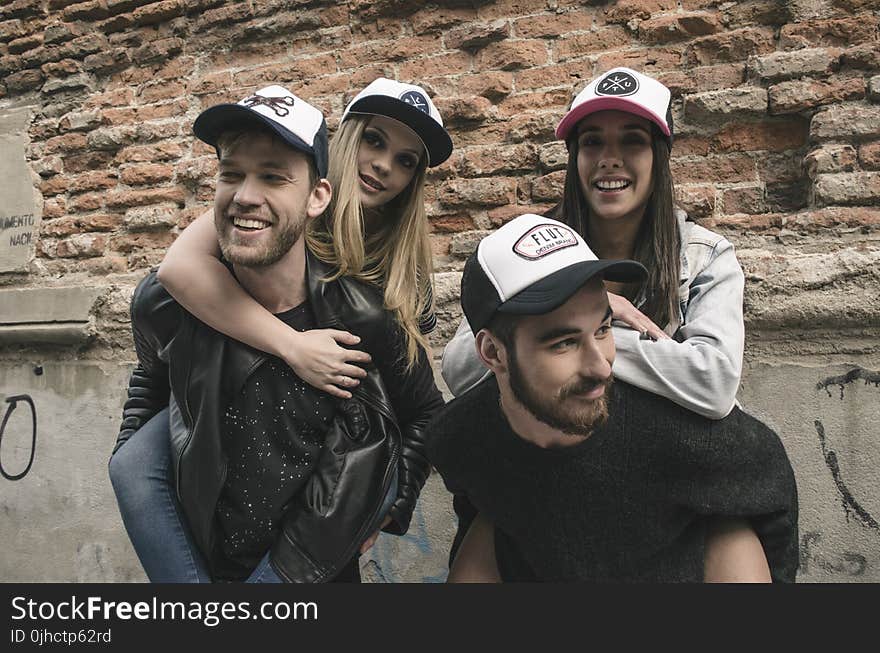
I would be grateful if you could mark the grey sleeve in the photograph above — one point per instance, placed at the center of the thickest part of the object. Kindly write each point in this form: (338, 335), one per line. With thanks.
(461, 367)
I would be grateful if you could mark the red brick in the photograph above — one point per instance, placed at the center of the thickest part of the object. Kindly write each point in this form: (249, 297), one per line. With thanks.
(86, 202)
(572, 75)
(158, 12)
(731, 168)
(119, 97)
(126, 199)
(548, 188)
(502, 214)
(788, 134)
(13, 29)
(569, 46)
(81, 246)
(840, 32)
(78, 224)
(142, 240)
(26, 80)
(511, 55)
(493, 159)
(25, 43)
(791, 97)
(624, 11)
(285, 72)
(650, 61)
(211, 83)
(61, 32)
(704, 78)
(161, 90)
(755, 12)
(748, 199)
(163, 151)
(160, 50)
(451, 224)
(515, 105)
(223, 16)
(88, 181)
(736, 45)
(830, 157)
(697, 201)
(490, 191)
(861, 57)
(466, 109)
(677, 27)
(146, 174)
(869, 156)
(552, 25)
(61, 68)
(66, 143)
(54, 208)
(85, 161)
(455, 62)
(475, 36)
(434, 18)
(92, 10)
(493, 85)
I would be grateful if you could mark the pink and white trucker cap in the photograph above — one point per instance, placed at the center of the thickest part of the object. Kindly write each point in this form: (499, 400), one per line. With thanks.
(531, 266)
(621, 89)
(410, 105)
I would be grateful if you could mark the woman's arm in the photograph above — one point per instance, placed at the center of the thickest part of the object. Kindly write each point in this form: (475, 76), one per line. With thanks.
(461, 367)
(475, 560)
(734, 554)
(700, 367)
(193, 274)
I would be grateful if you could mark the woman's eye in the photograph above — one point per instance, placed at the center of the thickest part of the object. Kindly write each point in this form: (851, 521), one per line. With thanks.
(590, 141)
(603, 330)
(228, 175)
(407, 162)
(372, 138)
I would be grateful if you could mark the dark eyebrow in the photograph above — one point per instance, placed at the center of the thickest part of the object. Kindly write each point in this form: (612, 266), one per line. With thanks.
(629, 127)
(559, 332)
(266, 165)
(415, 153)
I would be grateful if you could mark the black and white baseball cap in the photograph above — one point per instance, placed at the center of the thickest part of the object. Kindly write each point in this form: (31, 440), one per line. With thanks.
(294, 120)
(621, 89)
(531, 266)
(410, 105)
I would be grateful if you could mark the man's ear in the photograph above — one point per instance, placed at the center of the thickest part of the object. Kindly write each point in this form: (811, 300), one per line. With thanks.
(319, 198)
(491, 351)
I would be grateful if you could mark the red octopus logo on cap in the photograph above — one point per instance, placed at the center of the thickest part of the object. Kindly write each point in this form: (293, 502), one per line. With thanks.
(544, 239)
(277, 104)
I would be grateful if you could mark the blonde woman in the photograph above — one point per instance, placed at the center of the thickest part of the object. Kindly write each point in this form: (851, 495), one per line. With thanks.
(374, 230)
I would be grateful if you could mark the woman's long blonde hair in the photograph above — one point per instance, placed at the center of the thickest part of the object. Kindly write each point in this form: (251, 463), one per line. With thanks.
(396, 255)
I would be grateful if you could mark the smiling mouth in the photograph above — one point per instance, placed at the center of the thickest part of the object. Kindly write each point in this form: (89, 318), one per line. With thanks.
(611, 185)
(372, 183)
(249, 224)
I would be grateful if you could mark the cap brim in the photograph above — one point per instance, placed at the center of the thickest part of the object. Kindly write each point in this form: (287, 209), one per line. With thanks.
(435, 138)
(573, 117)
(225, 117)
(554, 290)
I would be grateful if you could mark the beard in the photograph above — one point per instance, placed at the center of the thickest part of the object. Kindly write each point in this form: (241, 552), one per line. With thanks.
(260, 254)
(559, 410)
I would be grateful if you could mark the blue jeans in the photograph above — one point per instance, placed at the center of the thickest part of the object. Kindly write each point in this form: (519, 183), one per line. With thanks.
(140, 472)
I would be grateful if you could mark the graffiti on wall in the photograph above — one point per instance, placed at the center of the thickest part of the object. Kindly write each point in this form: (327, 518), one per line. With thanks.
(851, 505)
(13, 402)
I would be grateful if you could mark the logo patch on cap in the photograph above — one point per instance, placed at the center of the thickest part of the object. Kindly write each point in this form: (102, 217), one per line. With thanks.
(277, 104)
(544, 239)
(416, 99)
(617, 84)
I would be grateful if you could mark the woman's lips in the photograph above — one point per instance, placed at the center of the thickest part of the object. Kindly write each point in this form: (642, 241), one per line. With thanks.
(371, 183)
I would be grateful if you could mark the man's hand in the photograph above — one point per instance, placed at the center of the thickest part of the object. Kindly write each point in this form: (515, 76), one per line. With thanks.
(370, 541)
(623, 310)
(319, 360)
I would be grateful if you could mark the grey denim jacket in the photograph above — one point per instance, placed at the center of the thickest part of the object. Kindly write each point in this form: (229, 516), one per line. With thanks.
(699, 368)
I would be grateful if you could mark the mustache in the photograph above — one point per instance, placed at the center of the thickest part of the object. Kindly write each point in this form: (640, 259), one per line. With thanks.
(582, 385)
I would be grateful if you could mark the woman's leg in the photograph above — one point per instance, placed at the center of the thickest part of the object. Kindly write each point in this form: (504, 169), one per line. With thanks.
(140, 472)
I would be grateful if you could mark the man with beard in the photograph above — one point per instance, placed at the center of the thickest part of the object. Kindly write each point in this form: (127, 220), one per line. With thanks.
(560, 475)
(272, 479)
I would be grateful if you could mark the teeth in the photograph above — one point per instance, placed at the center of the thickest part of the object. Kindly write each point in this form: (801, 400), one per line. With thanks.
(249, 224)
(615, 184)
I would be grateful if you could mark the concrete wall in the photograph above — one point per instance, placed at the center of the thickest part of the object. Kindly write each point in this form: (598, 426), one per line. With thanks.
(777, 147)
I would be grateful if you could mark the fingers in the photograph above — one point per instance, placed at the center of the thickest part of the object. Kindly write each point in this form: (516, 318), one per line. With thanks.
(352, 371)
(333, 391)
(370, 541)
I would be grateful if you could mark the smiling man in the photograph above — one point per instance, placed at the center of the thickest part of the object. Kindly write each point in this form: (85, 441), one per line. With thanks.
(272, 479)
(558, 474)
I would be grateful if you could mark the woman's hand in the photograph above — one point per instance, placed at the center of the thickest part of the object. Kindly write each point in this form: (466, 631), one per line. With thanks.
(319, 360)
(623, 310)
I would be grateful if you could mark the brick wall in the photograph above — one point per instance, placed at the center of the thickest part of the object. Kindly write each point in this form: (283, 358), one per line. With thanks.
(777, 116)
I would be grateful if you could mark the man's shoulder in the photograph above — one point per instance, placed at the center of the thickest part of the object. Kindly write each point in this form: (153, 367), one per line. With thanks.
(153, 309)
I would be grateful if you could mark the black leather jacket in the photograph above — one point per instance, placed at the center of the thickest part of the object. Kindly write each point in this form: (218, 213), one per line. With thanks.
(195, 370)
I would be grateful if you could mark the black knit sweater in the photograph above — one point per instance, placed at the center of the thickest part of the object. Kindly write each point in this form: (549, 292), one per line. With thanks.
(628, 504)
